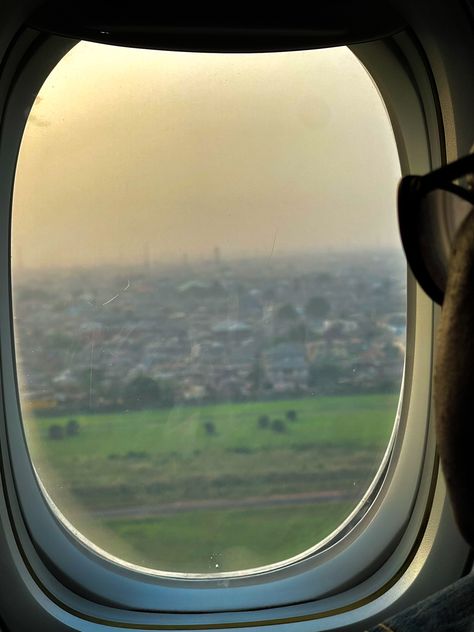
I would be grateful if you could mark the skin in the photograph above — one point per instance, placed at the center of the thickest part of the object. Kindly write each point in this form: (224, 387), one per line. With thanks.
(454, 380)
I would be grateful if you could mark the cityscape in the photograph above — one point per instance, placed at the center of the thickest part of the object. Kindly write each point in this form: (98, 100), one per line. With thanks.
(112, 338)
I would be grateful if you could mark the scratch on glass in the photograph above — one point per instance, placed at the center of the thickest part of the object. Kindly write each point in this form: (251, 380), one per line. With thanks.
(117, 295)
(90, 374)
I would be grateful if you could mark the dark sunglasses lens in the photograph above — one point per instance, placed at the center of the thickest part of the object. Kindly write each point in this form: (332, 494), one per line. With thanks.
(441, 215)
(451, 210)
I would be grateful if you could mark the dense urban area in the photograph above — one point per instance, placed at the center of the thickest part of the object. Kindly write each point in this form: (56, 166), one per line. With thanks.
(150, 336)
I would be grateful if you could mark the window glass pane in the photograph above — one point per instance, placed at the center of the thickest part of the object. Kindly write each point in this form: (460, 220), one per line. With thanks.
(209, 300)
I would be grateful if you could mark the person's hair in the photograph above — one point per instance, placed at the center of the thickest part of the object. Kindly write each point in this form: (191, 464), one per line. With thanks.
(454, 380)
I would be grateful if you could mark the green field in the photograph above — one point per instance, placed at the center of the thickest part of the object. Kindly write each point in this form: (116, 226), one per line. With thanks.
(159, 489)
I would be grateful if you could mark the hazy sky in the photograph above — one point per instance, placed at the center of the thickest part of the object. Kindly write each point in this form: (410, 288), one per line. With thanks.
(131, 153)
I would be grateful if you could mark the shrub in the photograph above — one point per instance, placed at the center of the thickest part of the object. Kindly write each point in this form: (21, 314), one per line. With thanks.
(240, 450)
(72, 428)
(131, 454)
(278, 425)
(291, 415)
(263, 421)
(56, 432)
(210, 428)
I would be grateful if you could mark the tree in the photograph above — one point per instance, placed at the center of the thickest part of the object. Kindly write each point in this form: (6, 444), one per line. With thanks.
(291, 415)
(263, 421)
(257, 375)
(287, 312)
(167, 390)
(145, 392)
(317, 307)
(297, 333)
(72, 428)
(142, 392)
(56, 432)
(326, 376)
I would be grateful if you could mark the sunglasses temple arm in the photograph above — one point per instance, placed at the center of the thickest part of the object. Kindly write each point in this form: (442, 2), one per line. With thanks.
(465, 194)
(447, 173)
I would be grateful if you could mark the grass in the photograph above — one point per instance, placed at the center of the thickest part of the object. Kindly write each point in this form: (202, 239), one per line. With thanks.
(150, 459)
(260, 537)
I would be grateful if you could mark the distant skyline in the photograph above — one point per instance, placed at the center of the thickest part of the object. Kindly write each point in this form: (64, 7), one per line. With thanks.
(132, 156)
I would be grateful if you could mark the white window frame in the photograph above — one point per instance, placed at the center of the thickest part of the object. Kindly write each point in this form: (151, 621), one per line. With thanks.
(385, 562)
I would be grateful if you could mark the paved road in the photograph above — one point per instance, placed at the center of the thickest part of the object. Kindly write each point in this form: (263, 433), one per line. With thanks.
(278, 500)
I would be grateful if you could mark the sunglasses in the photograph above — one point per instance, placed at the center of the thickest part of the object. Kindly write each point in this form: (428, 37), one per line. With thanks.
(431, 209)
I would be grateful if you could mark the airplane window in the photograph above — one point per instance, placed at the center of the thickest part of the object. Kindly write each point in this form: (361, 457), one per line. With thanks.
(209, 301)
